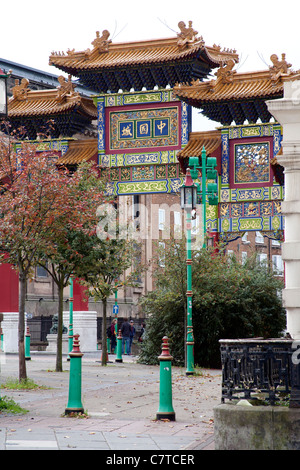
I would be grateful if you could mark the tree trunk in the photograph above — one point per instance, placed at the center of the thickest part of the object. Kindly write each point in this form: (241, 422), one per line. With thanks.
(104, 336)
(22, 294)
(59, 367)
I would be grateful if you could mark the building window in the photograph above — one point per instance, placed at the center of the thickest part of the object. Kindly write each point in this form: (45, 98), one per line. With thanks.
(262, 258)
(41, 272)
(161, 260)
(244, 257)
(161, 219)
(277, 265)
(259, 238)
(275, 242)
(177, 223)
(245, 240)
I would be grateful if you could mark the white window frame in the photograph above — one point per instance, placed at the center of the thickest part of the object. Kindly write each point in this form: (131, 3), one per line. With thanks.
(278, 265)
(161, 219)
(259, 238)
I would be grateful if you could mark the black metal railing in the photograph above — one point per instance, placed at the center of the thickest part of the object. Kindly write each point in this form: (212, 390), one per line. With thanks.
(39, 327)
(257, 369)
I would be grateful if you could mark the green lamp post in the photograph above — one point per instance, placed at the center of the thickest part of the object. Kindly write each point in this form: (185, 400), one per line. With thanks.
(116, 306)
(188, 203)
(70, 317)
(208, 190)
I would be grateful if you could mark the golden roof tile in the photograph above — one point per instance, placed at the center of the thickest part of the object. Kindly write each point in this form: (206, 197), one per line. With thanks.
(243, 86)
(211, 140)
(236, 96)
(79, 151)
(230, 85)
(29, 103)
(135, 53)
(106, 56)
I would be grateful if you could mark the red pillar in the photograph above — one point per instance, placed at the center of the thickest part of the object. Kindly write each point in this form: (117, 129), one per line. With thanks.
(80, 296)
(9, 289)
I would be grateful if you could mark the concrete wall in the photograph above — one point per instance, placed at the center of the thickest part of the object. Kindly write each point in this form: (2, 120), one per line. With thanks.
(256, 427)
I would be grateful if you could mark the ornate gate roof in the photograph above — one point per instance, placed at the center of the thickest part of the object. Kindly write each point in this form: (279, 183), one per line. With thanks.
(109, 67)
(236, 96)
(59, 111)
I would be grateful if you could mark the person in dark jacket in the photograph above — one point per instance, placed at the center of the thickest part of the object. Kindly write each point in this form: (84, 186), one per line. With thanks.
(113, 336)
(125, 330)
(132, 333)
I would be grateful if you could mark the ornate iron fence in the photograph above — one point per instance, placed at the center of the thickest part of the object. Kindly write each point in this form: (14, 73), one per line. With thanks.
(257, 369)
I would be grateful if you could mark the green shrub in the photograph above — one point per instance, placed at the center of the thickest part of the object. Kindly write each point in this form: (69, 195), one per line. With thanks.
(230, 300)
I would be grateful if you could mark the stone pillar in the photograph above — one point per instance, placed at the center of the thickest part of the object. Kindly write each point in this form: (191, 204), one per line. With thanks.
(287, 112)
(84, 324)
(10, 328)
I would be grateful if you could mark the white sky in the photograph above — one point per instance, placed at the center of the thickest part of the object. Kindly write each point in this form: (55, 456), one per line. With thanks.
(31, 30)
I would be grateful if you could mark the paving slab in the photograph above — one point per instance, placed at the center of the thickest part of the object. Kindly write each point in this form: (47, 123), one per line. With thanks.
(121, 401)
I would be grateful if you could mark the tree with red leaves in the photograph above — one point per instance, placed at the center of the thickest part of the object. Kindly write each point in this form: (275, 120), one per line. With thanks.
(39, 203)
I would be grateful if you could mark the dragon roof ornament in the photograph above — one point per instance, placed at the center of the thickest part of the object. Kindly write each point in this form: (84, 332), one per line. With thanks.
(280, 68)
(188, 36)
(20, 90)
(66, 88)
(100, 43)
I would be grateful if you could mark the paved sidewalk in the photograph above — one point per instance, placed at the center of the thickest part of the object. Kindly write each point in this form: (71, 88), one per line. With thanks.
(121, 401)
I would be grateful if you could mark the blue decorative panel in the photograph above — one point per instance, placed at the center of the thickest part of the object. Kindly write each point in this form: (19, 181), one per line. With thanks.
(252, 163)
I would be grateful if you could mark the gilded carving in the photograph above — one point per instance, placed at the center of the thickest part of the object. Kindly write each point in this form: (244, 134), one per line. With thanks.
(279, 67)
(187, 35)
(66, 88)
(102, 42)
(224, 74)
(20, 90)
(224, 210)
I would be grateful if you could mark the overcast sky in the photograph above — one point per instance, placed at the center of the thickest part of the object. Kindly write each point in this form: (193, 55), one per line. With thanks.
(31, 30)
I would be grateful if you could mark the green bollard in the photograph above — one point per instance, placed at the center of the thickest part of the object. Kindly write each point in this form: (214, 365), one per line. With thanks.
(74, 403)
(119, 348)
(27, 345)
(165, 410)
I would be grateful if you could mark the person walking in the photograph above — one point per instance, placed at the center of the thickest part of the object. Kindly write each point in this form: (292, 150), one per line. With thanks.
(113, 336)
(125, 330)
(132, 333)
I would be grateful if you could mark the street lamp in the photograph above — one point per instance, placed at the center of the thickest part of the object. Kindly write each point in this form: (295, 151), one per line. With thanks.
(3, 94)
(188, 195)
(207, 190)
